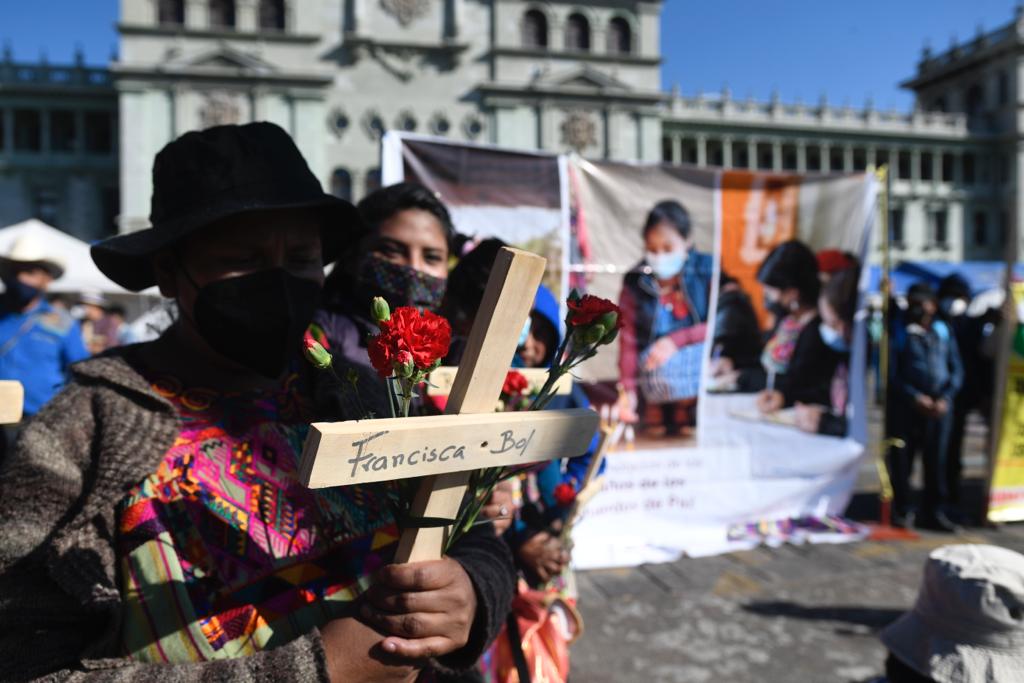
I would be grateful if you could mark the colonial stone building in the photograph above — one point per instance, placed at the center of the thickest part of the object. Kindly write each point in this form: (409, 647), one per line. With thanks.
(552, 75)
(58, 146)
(339, 73)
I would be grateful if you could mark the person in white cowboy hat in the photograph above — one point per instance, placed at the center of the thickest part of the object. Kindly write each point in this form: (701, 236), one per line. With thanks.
(37, 341)
(967, 625)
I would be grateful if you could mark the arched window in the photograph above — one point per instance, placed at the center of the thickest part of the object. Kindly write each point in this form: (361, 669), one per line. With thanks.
(341, 184)
(577, 33)
(272, 15)
(171, 12)
(620, 37)
(222, 14)
(535, 29)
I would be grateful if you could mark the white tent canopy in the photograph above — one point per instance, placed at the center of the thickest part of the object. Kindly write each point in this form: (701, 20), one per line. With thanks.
(80, 273)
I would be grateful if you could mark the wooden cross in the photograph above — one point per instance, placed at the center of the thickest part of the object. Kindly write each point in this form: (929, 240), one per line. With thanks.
(447, 448)
(12, 401)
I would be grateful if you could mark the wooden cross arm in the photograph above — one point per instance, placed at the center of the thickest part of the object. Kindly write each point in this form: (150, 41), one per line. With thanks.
(359, 452)
(12, 401)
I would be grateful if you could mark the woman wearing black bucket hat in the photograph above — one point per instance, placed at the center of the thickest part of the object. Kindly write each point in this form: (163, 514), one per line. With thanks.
(152, 526)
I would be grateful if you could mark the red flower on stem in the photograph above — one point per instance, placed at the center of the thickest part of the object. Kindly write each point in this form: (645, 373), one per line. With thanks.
(591, 309)
(564, 494)
(424, 336)
(515, 383)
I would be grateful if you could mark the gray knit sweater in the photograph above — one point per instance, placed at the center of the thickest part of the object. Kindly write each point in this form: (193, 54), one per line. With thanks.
(60, 607)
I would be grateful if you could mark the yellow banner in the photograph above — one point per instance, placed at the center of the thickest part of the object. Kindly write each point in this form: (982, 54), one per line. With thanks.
(1006, 499)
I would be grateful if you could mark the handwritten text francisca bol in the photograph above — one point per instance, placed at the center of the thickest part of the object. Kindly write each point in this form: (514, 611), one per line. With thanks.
(369, 461)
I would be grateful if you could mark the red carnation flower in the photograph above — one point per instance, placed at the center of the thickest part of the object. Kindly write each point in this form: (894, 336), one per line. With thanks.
(564, 494)
(590, 309)
(515, 383)
(426, 336)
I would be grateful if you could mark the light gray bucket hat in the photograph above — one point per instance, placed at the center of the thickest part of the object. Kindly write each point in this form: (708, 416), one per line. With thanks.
(967, 625)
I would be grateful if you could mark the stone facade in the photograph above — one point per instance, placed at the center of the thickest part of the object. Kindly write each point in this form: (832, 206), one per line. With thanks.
(337, 75)
(530, 74)
(58, 146)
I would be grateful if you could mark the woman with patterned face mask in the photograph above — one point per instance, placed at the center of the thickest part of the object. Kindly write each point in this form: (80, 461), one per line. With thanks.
(664, 304)
(403, 258)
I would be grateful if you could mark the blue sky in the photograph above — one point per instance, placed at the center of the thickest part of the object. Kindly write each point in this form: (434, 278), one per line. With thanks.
(802, 48)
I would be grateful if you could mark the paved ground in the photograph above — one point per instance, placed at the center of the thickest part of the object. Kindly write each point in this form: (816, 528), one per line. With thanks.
(790, 614)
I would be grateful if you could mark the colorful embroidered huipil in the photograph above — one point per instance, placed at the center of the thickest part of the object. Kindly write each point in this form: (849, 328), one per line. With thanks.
(223, 552)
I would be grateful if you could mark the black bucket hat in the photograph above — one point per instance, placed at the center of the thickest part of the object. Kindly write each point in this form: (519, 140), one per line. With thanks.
(208, 175)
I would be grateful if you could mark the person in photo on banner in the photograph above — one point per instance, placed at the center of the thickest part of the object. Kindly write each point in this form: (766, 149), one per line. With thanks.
(927, 374)
(664, 303)
(153, 523)
(817, 382)
(790, 282)
(403, 257)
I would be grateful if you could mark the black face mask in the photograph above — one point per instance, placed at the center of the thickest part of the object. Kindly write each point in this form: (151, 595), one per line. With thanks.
(17, 294)
(257, 320)
(400, 285)
(776, 308)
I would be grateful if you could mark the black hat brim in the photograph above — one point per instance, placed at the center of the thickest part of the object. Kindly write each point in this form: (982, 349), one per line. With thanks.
(128, 259)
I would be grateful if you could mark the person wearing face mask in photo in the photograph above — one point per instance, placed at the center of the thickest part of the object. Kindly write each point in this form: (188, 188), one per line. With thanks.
(403, 257)
(664, 302)
(153, 526)
(38, 342)
(817, 380)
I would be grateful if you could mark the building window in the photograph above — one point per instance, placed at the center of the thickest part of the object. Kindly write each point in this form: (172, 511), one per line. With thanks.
(28, 130)
(372, 180)
(1004, 226)
(272, 15)
(947, 167)
(764, 157)
(968, 169)
(45, 205)
(903, 165)
(716, 156)
(535, 29)
(788, 158)
(860, 159)
(1003, 88)
(882, 158)
(98, 132)
(577, 33)
(974, 100)
(620, 37)
(926, 166)
(835, 159)
(940, 236)
(939, 104)
(341, 184)
(407, 122)
(688, 151)
(740, 156)
(171, 12)
(222, 14)
(1004, 169)
(813, 159)
(896, 227)
(666, 149)
(62, 130)
(980, 228)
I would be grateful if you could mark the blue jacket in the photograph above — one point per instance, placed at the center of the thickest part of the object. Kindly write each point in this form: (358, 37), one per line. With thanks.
(36, 348)
(927, 362)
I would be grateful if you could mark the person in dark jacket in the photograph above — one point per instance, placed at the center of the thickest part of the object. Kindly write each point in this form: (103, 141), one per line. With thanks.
(402, 257)
(153, 523)
(927, 375)
(664, 302)
(737, 333)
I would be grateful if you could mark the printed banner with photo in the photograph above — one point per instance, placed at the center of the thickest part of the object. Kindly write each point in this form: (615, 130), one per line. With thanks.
(741, 384)
(779, 411)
